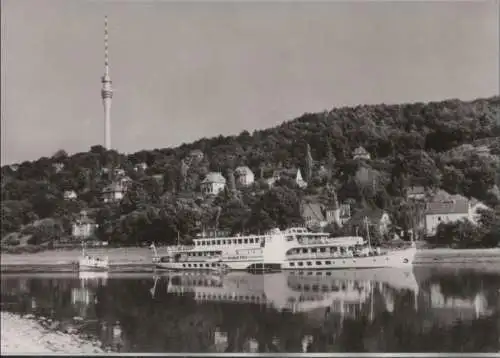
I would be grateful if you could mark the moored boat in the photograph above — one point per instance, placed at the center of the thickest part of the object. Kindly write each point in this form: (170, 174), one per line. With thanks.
(293, 248)
(88, 263)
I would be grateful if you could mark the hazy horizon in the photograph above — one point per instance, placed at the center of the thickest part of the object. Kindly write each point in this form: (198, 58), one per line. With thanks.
(183, 71)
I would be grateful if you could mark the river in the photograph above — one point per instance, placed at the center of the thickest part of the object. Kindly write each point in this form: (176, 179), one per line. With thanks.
(427, 309)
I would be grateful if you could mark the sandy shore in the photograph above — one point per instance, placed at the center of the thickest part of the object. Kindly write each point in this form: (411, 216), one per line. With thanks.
(139, 259)
(24, 335)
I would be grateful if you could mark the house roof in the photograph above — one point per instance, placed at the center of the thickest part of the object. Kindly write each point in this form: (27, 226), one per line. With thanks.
(113, 187)
(243, 170)
(416, 190)
(313, 210)
(196, 152)
(373, 215)
(214, 177)
(287, 171)
(360, 150)
(451, 205)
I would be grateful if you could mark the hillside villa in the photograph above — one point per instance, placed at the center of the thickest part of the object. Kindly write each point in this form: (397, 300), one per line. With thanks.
(244, 176)
(70, 195)
(361, 153)
(319, 215)
(444, 207)
(213, 184)
(416, 193)
(140, 167)
(294, 174)
(83, 227)
(114, 192)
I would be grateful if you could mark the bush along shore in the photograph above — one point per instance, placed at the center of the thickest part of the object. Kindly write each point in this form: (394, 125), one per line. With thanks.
(365, 158)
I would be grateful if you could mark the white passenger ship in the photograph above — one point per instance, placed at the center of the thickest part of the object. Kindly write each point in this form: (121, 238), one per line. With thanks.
(293, 248)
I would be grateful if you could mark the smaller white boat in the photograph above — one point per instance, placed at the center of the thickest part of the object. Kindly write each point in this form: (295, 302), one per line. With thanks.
(92, 263)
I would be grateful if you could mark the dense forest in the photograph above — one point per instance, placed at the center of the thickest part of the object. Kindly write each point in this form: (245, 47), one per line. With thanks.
(453, 145)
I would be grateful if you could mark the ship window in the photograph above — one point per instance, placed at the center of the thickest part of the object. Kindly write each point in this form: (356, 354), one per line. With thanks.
(292, 263)
(328, 262)
(309, 263)
(301, 263)
(322, 249)
(240, 241)
(213, 265)
(304, 251)
(189, 265)
(318, 262)
(213, 242)
(183, 265)
(246, 241)
(195, 265)
(256, 241)
(314, 250)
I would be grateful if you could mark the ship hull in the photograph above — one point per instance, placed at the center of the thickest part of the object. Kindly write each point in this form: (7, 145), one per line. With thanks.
(233, 265)
(395, 259)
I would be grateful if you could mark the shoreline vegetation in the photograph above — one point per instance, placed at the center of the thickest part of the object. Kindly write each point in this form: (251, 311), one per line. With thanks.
(139, 259)
(25, 335)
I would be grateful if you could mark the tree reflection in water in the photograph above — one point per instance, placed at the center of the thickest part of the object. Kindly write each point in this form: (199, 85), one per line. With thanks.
(127, 315)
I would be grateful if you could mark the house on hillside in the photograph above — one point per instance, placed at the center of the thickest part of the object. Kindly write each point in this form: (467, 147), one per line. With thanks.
(377, 219)
(14, 167)
(416, 193)
(124, 181)
(444, 208)
(244, 176)
(319, 215)
(195, 155)
(58, 167)
(213, 183)
(70, 195)
(140, 167)
(113, 192)
(83, 227)
(294, 174)
(361, 153)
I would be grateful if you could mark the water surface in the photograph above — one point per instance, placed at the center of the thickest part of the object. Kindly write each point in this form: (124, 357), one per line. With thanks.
(429, 309)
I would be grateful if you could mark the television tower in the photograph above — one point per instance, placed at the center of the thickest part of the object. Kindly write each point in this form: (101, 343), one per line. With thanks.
(106, 91)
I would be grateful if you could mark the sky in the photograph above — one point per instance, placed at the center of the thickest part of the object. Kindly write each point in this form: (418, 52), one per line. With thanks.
(186, 70)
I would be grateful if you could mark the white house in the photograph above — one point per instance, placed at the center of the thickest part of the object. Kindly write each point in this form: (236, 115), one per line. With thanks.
(70, 195)
(416, 193)
(113, 192)
(244, 176)
(213, 184)
(83, 227)
(361, 153)
(295, 174)
(445, 208)
(140, 166)
(58, 167)
(119, 172)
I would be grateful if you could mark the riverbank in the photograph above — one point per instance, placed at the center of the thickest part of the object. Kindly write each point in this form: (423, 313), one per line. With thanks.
(139, 259)
(21, 335)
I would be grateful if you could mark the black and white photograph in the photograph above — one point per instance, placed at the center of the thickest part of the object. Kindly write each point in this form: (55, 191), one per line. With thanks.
(250, 177)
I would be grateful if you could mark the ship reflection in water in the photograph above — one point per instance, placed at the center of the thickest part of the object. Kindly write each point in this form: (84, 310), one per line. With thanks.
(381, 310)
